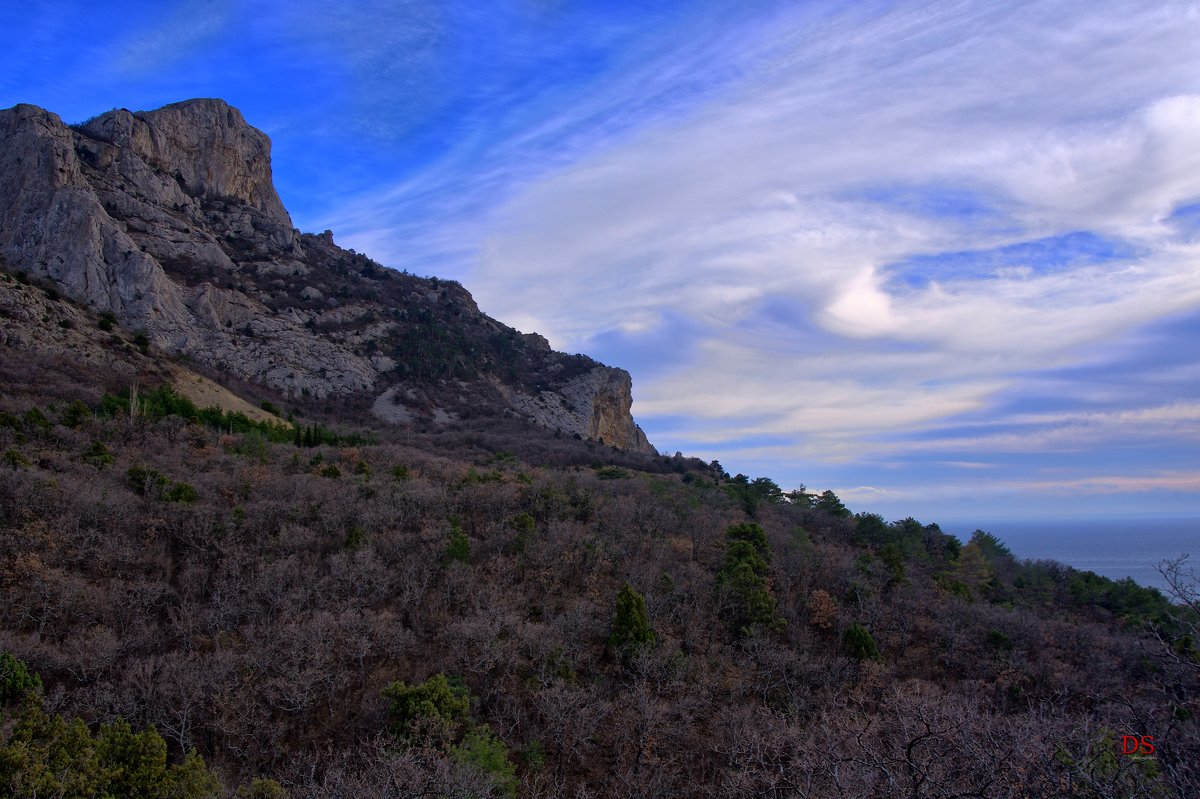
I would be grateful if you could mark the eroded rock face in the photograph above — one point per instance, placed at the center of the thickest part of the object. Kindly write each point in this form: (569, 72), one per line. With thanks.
(52, 224)
(169, 219)
(204, 146)
(595, 405)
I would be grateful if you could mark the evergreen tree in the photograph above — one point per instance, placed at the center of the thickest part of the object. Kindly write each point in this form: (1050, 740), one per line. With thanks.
(829, 502)
(743, 582)
(631, 631)
(433, 703)
(858, 643)
(458, 546)
(16, 680)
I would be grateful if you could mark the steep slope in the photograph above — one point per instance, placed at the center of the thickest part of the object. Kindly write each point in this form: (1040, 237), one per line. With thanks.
(169, 220)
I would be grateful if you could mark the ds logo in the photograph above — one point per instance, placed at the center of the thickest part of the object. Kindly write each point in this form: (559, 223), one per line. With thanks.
(1135, 745)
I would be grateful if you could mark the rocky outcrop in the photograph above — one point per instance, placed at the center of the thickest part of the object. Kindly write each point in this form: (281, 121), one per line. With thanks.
(169, 220)
(202, 145)
(595, 405)
(52, 224)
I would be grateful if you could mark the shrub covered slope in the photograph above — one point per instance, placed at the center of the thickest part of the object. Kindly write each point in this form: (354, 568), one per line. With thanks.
(484, 609)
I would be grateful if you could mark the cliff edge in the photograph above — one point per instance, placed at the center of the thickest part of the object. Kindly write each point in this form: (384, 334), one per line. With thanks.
(170, 221)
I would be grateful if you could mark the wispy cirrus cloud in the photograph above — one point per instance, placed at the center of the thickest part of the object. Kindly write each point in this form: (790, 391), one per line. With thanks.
(876, 244)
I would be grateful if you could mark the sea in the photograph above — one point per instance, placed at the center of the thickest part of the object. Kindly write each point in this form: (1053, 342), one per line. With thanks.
(1109, 546)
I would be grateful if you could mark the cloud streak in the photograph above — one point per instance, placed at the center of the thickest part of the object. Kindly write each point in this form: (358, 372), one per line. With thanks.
(859, 245)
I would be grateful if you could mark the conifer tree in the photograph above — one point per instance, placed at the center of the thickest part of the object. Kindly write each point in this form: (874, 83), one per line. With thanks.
(631, 631)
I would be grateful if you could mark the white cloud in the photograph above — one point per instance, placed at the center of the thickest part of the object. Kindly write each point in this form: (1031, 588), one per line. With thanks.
(721, 175)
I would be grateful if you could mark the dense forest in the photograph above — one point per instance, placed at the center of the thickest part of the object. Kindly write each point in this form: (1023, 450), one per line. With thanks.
(200, 605)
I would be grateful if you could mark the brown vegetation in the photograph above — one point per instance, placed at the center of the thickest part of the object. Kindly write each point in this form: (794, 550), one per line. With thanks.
(261, 622)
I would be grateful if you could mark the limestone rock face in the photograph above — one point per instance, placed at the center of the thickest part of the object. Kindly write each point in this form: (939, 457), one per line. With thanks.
(169, 220)
(52, 224)
(204, 146)
(596, 405)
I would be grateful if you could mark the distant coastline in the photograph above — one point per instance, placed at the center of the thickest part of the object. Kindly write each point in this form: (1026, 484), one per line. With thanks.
(1110, 546)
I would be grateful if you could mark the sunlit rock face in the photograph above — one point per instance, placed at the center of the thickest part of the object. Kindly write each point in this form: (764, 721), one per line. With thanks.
(169, 219)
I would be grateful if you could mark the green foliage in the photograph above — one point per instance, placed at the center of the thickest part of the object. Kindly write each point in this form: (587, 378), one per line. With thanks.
(802, 543)
(893, 558)
(253, 445)
(138, 760)
(753, 493)
(631, 631)
(989, 546)
(870, 528)
(181, 492)
(113, 406)
(522, 523)
(800, 497)
(482, 749)
(270, 407)
(424, 348)
(974, 570)
(155, 485)
(332, 472)
(16, 680)
(98, 455)
(164, 401)
(997, 640)
(315, 436)
(829, 503)
(46, 755)
(525, 525)
(15, 460)
(141, 340)
(611, 473)
(436, 703)
(34, 420)
(952, 585)
(260, 788)
(743, 583)
(752, 534)
(74, 415)
(858, 643)
(191, 779)
(475, 477)
(107, 321)
(147, 482)
(399, 472)
(458, 546)
(438, 712)
(534, 755)
(355, 536)
(1123, 598)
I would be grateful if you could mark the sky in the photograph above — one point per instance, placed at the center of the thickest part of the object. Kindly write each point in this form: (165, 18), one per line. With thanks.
(942, 258)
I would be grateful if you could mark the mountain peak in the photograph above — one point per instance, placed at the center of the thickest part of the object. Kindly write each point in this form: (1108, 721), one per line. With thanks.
(169, 220)
(205, 144)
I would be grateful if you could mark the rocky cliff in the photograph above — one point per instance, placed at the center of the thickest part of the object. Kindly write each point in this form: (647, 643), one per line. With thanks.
(170, 221)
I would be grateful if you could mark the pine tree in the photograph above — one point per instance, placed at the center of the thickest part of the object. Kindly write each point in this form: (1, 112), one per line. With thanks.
(631, 631)
(458, 546)
(858, 643)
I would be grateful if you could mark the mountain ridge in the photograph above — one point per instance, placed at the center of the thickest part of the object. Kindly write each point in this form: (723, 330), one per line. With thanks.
(169, 220)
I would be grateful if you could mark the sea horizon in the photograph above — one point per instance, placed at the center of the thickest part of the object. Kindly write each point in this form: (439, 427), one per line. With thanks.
(1111, 545)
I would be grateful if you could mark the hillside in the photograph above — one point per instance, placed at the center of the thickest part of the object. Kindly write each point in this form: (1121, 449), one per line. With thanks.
(277, 521)
(607, 623)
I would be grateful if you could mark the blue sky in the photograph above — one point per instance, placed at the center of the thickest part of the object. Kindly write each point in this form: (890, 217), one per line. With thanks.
(941, 257)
